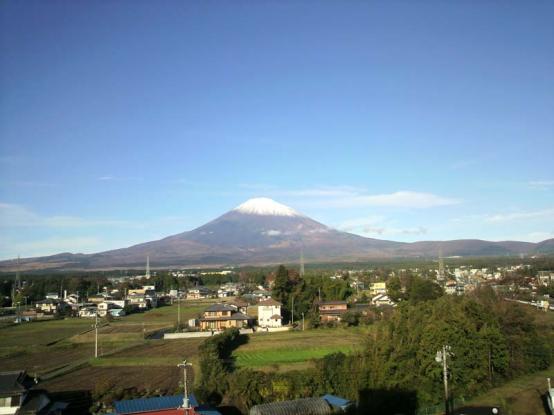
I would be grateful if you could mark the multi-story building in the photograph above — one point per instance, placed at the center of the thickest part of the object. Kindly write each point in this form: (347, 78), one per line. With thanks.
(332, 310)
(269, 313)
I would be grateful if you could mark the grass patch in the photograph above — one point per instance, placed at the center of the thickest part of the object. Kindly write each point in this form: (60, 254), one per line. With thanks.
(521, 396)
(134, 361)
(284, 356)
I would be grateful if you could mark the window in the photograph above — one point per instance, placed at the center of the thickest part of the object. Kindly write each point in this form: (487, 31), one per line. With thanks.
(5, 402)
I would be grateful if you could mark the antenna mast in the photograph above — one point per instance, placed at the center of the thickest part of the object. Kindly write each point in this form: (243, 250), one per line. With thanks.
(441, 276)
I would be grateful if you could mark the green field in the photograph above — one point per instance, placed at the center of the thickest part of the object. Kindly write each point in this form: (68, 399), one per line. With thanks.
(295, 349)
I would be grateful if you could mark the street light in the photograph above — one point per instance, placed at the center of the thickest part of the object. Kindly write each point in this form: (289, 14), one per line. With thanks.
(184, 365)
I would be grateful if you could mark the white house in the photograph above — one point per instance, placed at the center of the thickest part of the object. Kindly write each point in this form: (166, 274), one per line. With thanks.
(88, 312)
(269, 313)
(382, 299)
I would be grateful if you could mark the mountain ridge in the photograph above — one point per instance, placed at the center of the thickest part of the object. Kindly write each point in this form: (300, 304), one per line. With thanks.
(262, 231)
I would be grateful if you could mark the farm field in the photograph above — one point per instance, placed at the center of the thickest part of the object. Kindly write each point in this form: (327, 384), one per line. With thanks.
(70, 341)
(100, 379)
(295, 349)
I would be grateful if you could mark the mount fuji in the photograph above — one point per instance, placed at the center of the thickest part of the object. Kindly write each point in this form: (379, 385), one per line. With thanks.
(262, 231)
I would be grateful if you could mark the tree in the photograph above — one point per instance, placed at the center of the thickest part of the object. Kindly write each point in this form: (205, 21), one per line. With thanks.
(282, 286)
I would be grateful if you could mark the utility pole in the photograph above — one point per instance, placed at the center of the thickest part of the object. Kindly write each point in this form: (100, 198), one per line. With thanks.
(96, 335)
(184, 365)
(293, 311)
(441, 357)
(302, 321)
(178, 312)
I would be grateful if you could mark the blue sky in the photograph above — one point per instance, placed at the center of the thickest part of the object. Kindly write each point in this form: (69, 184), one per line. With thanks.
(122, 122)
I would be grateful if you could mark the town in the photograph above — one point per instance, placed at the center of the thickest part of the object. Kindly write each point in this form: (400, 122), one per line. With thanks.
(192, 306)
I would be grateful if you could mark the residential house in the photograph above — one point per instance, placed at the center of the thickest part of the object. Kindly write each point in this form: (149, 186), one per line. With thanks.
(200, 292)
(144, 297)
(222, 316)
(240, 305)
(261, 294)
(222, 292)
(88, 312)
(269, 313)
(99, 298)
(117, 312)
(47, 306)
(332, 310)
(378, 288)
(17, 397)
(115, 308)
(382, 300)
(229, 289)
(162, 405)
(138, 301)
(545, 277)
(450, 287)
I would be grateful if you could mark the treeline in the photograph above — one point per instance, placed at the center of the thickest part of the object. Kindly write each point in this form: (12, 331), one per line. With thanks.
(302, 294)
(491, 341)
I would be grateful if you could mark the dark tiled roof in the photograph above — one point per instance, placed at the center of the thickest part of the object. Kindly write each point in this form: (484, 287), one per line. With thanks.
(235, 316)
(239, 303)
(220, 307)
(132, 406)
(334, 302)
(14, 382)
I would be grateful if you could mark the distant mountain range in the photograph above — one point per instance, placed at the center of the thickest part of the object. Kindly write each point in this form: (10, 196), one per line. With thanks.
(262, 231)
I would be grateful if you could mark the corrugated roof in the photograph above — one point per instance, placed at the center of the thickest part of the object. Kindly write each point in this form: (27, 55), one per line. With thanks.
(134, 406)
(305, 406)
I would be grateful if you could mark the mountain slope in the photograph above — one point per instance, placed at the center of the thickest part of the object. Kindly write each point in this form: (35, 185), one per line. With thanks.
(262, 231)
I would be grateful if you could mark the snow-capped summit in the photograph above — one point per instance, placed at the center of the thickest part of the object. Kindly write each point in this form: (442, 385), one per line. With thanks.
(266, 207)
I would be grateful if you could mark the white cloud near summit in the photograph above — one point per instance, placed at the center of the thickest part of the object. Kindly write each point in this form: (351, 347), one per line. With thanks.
(401, 199)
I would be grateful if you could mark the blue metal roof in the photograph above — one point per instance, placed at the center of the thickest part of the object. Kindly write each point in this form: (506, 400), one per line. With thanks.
(132, 406)
(337, 401)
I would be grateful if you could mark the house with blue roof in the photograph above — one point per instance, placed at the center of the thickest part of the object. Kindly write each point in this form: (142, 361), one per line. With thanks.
(162, 405)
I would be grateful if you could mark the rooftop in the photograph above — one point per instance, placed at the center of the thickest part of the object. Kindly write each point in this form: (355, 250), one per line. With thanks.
(14, 382)
(132, 406)
(269, 302)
